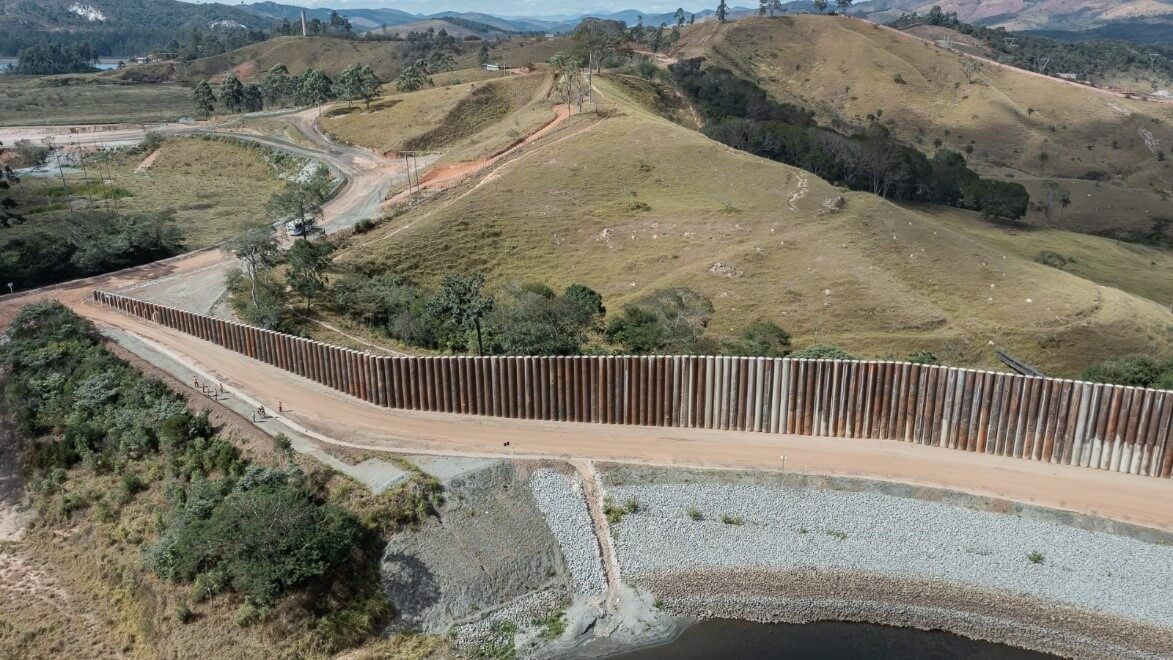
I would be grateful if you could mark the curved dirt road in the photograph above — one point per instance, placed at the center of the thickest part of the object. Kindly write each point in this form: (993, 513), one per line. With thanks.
(334, 418)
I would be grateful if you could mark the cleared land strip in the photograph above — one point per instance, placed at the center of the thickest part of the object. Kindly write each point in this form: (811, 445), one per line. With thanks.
(1122, 429)
(333, 417)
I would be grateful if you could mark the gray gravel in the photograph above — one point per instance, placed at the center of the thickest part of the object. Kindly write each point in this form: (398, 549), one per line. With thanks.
(786, 528)
(560, 499)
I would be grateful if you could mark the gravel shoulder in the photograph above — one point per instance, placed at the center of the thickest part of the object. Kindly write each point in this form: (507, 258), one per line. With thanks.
(773, 548)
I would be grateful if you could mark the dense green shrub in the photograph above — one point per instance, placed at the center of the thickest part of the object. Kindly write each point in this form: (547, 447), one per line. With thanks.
(822, 352)
(759, 339)
(95, 242)
(665, 321)
(265, 537)
(1135, 370)
(532, 320)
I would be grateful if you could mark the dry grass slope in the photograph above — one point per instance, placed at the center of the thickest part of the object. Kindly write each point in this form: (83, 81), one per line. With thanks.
(848, 69)
(519, 103)
(632, 203)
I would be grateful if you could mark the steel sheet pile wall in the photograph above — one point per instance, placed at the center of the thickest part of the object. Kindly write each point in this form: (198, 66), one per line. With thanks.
(1124, 429)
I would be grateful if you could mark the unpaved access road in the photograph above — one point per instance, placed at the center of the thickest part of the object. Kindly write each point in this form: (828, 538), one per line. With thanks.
(335, 418)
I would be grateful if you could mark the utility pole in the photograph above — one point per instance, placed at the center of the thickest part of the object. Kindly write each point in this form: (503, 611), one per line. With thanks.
(590, 78)
(304, 32)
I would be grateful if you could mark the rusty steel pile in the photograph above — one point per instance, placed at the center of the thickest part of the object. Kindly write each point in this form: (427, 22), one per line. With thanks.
(1109, 427)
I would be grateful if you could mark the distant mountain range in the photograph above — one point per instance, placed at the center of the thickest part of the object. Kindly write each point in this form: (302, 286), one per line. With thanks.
(1111, 17)
(122, 27)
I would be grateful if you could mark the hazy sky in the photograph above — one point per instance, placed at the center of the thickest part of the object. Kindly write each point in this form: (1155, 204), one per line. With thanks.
(503, 7)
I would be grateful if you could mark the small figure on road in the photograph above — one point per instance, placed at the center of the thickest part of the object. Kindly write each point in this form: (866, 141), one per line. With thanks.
(195, 382)
(11, 288)
(261, 412)
(221, 387)
(279, 408)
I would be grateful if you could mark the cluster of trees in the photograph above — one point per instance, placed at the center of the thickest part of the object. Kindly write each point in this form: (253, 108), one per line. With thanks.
(279, 89)
(1086, 59)
(1134, 370)
(268, 535)
(462, 315)
(740, 114)
(820, 6)
(430, 52)
(94, 241)
(337, 25)
(206, 44)
(52, 59)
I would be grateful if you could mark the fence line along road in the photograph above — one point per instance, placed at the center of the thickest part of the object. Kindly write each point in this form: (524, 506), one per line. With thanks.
(1109, 427)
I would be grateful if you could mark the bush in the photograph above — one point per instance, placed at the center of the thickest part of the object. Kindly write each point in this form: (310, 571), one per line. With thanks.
(1053, 259)
(532, 320)
(923, 357)
(265, 540)
(822, 352)
(1134, 370)
(760, 339)
(669, 321)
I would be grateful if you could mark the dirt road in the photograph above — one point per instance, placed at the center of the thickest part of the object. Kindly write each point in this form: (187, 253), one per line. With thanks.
(334, 418)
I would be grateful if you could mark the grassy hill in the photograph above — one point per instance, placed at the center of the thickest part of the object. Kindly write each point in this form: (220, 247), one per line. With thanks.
(1027, 14)
(465, 121)
(331, 55)
(628, 202)
(458, 28)
(1005, 120)
(296, 53)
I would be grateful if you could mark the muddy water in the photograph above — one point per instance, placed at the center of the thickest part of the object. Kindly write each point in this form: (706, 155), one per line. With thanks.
(718, 639)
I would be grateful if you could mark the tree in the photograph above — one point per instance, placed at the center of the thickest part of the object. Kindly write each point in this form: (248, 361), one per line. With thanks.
(763, 6)
(254, 99)
(314, 87)
(308, 264)
(723, 10)
(339, 22)
(463, 300)
(570, 83)
(820, 6)
(595, 39)
(258, 250)
(301, 202)
(483, 55)
(843, 5)
(412, 79)
(691, 19)
(1056, 198)
(358, 82)
(232, 93)
(586, 302)
(204, 99)
(1043, 158)
(534, 321)
(776, 7)
(278, 87)
(679, 16)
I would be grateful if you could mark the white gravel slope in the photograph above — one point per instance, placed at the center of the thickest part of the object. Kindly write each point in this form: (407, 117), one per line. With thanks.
(904, 537)
(560, 499)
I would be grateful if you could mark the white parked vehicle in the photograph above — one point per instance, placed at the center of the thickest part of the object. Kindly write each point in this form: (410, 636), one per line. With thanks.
(294, 228)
